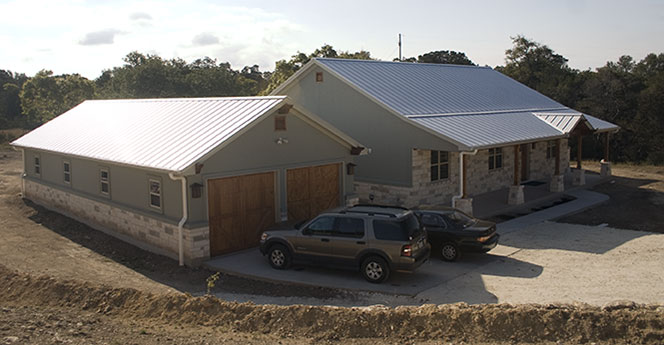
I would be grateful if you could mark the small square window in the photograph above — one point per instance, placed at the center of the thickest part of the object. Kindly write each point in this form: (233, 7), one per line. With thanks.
(319, 77)
(280, 123)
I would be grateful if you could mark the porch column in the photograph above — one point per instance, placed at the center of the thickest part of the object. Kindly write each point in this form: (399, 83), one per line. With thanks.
(605, 164)
(516, 190)
(579, 176)
(463, 203)
(557, 183)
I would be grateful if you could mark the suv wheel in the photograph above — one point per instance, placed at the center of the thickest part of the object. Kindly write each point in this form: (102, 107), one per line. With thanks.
(375, 269)
(449, 251)
(279, 256)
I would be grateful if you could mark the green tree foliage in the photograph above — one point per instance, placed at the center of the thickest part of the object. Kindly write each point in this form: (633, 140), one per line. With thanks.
(45, 96)
(284, 69)
(10, 103)
(445, 57)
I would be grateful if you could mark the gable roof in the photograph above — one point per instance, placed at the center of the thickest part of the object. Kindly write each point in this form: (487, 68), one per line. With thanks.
(160, 134)
(471, 106)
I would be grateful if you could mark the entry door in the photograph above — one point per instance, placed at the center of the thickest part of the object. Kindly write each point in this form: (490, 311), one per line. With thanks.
(525, 164)
(312, 190)
(239, 208)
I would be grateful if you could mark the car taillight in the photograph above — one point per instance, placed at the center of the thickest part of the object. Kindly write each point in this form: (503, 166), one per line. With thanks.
(483, 238)
(407, 250)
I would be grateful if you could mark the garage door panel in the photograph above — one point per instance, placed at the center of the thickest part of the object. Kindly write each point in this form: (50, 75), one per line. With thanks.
(312, 190)
(240, 208)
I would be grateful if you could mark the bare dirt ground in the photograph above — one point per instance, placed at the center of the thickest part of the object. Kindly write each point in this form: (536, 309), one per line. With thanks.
(637, 199)
(62, 282)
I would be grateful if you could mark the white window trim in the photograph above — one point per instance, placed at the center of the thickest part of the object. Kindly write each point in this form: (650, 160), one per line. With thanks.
(65, 173)
(493, 157)
(551, 149)
(37, 165)
(150, 194)
(107, 181)
(438, 165)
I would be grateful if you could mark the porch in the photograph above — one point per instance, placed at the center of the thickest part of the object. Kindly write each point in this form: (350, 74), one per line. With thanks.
(537, 195)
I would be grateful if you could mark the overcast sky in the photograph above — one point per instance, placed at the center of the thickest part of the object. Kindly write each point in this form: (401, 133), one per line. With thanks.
(88, 36)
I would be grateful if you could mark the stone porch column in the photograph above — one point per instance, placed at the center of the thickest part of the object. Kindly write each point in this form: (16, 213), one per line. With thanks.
(605, 164)
(464, 204)
(557, 183)
(578, 174)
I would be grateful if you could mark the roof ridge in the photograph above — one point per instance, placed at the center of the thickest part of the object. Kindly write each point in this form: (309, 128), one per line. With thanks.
(416, 116)
(403, 63)
(188, 99)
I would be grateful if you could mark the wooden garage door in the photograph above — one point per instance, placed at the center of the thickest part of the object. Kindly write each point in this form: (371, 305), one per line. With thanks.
(239, 208)
(312, 190)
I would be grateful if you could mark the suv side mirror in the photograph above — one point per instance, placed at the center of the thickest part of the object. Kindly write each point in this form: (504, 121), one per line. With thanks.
(306, 231)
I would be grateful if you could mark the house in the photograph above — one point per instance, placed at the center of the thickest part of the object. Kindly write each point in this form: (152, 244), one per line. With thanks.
(188, 178)
(442, 133)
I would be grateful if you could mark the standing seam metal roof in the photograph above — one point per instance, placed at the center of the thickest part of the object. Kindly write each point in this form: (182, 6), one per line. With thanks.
(162, 134)
(474, 106)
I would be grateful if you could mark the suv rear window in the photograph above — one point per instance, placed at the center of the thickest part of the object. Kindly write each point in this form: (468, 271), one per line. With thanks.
(396, 230)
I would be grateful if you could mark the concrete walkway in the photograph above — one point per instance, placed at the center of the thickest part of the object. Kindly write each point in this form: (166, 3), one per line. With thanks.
(430, 277)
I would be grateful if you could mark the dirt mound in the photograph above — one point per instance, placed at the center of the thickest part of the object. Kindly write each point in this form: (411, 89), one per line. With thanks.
(619, 323)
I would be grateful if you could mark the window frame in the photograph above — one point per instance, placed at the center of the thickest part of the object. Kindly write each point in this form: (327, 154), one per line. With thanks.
(314, 232)
(66, 173)
(438, 165)
(494, 153)
(160, 194)
(36, 162)
(280, 123)
(107, 181)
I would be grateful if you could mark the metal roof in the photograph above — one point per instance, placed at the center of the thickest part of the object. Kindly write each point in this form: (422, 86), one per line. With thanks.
(418, 89)
(564, 122)
(601, 125)
(488, 130)
(161, 134)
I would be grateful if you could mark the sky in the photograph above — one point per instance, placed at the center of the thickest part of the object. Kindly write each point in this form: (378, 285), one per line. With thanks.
(87, 36)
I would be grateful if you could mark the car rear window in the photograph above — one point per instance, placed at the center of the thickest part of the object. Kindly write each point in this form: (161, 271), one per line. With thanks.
(396, 230)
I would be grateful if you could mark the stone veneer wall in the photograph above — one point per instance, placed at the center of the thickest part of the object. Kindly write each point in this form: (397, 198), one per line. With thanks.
(143, 231)
(423, 191)
(479, 178)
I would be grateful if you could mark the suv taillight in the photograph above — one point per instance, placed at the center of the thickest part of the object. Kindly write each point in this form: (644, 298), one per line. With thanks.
(407, 250)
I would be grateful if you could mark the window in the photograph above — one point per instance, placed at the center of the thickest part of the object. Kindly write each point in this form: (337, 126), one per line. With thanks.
(67, 172)
(439, 165)
(319, 77)
(433, 220)
(321, 226)
(155, 193)
(349, 227)
(551, 149)
(396, 230)
(496, 158)
(280, 123)
(37, 166)
(104, 181)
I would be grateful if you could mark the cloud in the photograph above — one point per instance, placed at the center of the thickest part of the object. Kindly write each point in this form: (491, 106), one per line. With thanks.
(140, 16)
(99, 37)
(205, 39)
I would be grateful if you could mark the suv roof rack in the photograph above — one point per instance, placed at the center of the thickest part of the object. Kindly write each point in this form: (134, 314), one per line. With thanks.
(371, 213)
(381, 206)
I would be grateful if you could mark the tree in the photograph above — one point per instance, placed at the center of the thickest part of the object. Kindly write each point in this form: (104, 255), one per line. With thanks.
(10, 103)
(284, 69)
(45, 96)
(445, 57)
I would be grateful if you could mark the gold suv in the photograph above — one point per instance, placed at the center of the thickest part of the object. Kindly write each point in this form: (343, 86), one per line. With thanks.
(374, 239)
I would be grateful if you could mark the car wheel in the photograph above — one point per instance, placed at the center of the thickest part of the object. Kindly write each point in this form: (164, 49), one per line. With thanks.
(449, 251)
(375, 269)
(279, 257)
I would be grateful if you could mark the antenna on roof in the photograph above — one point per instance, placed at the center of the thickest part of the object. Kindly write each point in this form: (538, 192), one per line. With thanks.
(399, 47)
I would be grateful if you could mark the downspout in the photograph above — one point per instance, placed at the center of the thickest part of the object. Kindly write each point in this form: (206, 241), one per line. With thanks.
(461, 190)
(183, 181)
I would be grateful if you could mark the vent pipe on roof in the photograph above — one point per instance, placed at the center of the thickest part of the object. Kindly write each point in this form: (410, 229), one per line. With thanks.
(183, 181)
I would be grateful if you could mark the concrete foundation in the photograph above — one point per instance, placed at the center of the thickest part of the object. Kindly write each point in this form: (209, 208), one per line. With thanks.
(516, 195)
(578, 177)
(605, 169)
(464, 205)
(557, 184)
